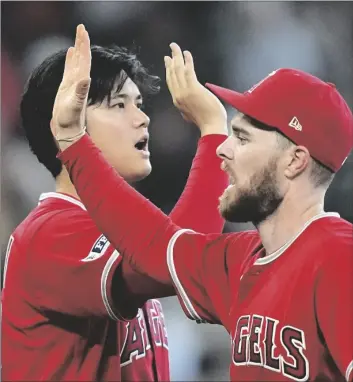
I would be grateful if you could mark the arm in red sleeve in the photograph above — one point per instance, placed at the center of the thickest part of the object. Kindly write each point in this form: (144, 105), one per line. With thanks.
(333, 305)
(149, 240)
(197, 207)
(133, 225)
(69, 266)
(130, 221)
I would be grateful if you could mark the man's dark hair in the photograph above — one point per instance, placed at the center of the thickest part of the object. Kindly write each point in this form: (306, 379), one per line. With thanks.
(320, 174)
(108, 65)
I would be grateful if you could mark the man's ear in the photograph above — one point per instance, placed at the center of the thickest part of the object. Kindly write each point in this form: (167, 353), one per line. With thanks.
(298, 161)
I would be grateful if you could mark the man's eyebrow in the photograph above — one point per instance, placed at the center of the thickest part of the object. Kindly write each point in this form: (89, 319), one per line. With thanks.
(240, 130)
(125, 96)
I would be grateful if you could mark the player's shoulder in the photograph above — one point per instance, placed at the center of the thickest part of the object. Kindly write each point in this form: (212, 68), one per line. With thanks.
(245, 241)
(249, 239)
(241, 246)
(54, 213)
(334, 231)
(334, 241)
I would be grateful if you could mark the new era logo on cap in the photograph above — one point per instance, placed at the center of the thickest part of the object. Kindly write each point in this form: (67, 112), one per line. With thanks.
(296, 124)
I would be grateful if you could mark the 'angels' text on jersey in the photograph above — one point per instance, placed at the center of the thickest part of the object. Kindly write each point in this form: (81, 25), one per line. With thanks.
(263, 341)
(137, 337)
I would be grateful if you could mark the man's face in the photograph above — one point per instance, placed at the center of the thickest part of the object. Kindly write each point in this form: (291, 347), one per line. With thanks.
(120, 131)
(251, 159)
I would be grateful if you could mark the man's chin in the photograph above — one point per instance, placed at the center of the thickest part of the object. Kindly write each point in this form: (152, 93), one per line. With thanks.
(234, 208)
(248, 209)
(232, 215)
(143, 173)
(228, 208)
(138, 174)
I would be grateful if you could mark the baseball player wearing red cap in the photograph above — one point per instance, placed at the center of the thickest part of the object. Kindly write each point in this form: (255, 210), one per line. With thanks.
(283, 291)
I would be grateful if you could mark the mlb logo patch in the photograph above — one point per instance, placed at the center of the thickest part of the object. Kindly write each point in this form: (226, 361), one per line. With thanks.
(98, 249)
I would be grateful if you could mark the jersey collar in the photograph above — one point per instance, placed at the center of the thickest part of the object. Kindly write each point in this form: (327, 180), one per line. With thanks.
(58, 195)
(273, 256)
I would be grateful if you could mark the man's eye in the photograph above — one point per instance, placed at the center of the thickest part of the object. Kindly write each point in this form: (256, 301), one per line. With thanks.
(120, 105)
(239, 135)
(140, 106)
(241, 139)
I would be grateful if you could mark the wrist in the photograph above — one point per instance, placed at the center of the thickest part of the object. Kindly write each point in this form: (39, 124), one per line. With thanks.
(65, 145)
(66, 142)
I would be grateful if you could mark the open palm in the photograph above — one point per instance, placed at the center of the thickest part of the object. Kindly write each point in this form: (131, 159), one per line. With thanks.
(71, 99)
(196, 103)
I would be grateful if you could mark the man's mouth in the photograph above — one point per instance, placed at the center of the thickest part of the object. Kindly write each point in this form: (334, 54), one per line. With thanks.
(231, 178)
(225, 168)
(142, 144)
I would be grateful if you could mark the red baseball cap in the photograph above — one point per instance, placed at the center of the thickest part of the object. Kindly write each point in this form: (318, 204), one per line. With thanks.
(308, 111)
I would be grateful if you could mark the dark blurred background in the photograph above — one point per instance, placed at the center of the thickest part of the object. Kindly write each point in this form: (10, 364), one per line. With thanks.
(234, 44)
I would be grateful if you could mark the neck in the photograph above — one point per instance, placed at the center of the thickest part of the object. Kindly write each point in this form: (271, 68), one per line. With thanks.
(64, 185)
(289, 219)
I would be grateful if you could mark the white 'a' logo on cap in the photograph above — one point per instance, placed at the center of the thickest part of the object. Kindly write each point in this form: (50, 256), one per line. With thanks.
(259, 83)
(296, 124)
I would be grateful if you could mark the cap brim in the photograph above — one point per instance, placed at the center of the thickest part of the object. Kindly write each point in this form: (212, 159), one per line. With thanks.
(230, 97)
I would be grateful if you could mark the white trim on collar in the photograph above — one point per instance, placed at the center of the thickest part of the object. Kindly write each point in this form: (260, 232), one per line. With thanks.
(280, 251)
(57, 195)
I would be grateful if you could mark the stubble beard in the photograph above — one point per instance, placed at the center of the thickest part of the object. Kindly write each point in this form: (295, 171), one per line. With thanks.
(257, 202)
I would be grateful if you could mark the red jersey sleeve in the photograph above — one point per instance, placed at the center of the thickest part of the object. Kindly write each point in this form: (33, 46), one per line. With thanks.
(128, 219)
(145, 235)
(334, 308)
(70, 266)
(199, 266)
(197, 209)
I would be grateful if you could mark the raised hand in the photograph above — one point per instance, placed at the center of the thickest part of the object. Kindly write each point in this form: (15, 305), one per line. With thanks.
(196, 103)
(68, 120)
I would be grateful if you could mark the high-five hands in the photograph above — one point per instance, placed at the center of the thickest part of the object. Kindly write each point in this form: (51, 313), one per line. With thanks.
(68, 120)
(196, 103)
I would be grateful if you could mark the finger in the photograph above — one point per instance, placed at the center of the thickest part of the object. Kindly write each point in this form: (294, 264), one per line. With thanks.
(170, 77)
(190, 74)
(84, 68)
(179, 66)
(77, 46)
(84, 56)
(68, 65)
(167, 64)
(167, 61)
(82, 89)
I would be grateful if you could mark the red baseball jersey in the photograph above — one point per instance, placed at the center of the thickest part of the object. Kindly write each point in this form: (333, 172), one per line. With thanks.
(59, 320)
(289, 314)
